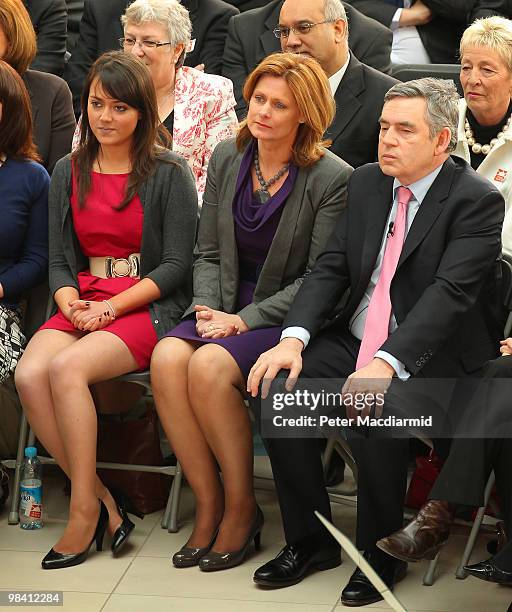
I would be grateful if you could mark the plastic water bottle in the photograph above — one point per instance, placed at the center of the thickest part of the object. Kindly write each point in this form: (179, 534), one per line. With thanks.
(31, 491)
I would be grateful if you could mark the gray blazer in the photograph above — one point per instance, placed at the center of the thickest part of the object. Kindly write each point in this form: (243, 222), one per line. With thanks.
(318, 197)
(169, 200)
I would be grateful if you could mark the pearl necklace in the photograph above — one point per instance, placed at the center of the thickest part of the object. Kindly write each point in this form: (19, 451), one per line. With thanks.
(485, 149)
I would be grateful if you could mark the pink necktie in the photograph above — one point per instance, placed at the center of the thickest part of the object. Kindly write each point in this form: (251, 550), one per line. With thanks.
(376, 327)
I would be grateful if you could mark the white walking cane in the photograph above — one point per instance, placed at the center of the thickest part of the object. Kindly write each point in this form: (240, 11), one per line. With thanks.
(363, 564)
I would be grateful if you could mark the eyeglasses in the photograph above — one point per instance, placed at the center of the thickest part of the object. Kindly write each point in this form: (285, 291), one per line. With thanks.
(128, 43)
(301, 28)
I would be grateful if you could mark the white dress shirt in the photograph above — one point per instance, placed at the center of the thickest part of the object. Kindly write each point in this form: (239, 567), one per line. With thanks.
(335, 79)
(407, 47)
(357, 322)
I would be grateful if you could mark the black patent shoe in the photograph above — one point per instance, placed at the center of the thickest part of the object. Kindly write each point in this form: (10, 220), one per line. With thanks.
(295, 562)
(124, 506)
(188, 556)
(57, 560)
(360, 591)
(214, 561)
(487, 570)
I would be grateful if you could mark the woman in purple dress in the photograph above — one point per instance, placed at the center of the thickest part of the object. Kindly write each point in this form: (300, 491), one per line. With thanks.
(271, 199)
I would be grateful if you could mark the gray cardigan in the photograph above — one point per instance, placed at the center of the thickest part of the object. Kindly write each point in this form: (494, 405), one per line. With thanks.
(169, 200)
(308, 217)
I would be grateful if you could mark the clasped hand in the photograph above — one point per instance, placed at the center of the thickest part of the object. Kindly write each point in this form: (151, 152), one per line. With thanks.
(88, 315)
(216, 324)
(506, 346)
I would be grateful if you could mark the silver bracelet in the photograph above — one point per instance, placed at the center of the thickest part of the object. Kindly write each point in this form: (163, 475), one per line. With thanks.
(112, 309)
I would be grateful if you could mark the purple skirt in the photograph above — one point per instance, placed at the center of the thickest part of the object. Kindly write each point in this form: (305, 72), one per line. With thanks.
(245, 348)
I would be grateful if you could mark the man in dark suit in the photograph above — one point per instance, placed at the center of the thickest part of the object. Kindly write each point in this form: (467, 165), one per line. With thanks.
(438, 23)
(251, 38)
(413, 250)
(358, 89)
(49, 19)
(100, 30)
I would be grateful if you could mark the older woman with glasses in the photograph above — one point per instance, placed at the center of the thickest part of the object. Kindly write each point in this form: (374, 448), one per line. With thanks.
(196, 108)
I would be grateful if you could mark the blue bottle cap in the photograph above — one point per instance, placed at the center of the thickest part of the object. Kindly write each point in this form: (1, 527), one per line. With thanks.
(31, 451)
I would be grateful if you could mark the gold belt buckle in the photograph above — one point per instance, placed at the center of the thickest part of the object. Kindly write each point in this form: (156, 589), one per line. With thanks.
(122, 266)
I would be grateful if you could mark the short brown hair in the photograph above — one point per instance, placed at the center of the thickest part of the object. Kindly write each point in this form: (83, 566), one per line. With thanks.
(19, 32)
(310, 88)
(125, 78)
(16, 122)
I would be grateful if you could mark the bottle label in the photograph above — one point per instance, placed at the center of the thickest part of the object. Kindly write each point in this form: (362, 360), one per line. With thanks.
(31, 499)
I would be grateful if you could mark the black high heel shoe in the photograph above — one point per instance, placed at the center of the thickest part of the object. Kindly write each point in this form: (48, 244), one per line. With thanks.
(124, 506)
(57, 560)
(214, 561)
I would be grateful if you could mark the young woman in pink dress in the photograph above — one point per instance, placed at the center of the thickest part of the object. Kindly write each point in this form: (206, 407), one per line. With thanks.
(123, 215)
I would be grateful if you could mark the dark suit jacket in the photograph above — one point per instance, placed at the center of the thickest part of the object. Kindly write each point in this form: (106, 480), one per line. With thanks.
(314, 204)
(100, 30)
(441, 36)
(250, 39)
(75, 11)
(49, 18)
(359, 99)
(447, 256)
(247, 5)
(53, 117)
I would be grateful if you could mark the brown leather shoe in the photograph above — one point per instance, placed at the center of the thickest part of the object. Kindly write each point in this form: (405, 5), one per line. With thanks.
(423, 536)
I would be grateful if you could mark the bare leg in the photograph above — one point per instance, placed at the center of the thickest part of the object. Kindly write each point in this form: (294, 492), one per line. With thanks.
(169, 374)
(33, 385)
(216, 394)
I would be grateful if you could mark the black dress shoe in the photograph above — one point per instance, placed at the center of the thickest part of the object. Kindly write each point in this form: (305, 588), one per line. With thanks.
(487, 570)
(295, 562)
(360, 591)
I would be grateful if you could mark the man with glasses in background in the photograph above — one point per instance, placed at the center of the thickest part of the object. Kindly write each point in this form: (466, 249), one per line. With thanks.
(319, 28)
(251, 38)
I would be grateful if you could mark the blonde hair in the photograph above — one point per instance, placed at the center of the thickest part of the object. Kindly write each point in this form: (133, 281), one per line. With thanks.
(310, 88)
(493, 33)
(19, 32)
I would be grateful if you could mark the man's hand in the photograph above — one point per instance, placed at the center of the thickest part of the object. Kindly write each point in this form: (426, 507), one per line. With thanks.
(506, 346)
(286, 355)
(418, 14)
(371, 380)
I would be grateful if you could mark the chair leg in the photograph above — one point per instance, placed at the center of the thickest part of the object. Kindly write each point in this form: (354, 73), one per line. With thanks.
(14, 515)
(428, 577)
(470, 544)
(175, 499)
(164, 523)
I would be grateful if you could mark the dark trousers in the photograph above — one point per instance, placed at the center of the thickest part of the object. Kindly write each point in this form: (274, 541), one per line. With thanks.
(297, 466)
(470, 461)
